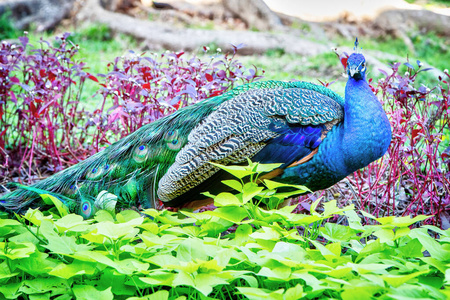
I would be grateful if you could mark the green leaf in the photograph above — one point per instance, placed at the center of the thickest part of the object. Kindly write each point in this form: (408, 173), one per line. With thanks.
(9, 222)
(230, 213)
(331, 208)
(251, 280)
(95, 256)
(337, 233)
(392, 221)
(13, 250)
(163, 260)
(159, 277)
(131, 266)
(361, 292)
(103, 216)
(354, 220)
(435, 249)
(242, 234)
(250, 190)
(72, 222)
(271, 185)
(35, 216)
(397, 280)
(37, 264)
(260, 168)
(5, 271)
(440, 265)
(11, 290)
(226, 199)
(314, 205)
(120, 230)
(294, 293)
(191, 249)
(49, 199)
(401, 221)
(205, 282)
(413, 248)
(88, 292)
(215, 228)
(130, 217)
(266, 233)
(60, 244)
(119, 283)
(237, 171)
(41, 285)
(75, 268)
(277, 272)
(385, 235)
(368, 215)
(65, 245)
(415, 292)
(234, 184)
(401, 232)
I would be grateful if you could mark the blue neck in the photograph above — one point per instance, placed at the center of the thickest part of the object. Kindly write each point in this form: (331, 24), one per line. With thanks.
(366, 128)
(362, 137)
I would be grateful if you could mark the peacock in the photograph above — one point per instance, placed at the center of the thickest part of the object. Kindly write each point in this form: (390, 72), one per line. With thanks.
(318, 136)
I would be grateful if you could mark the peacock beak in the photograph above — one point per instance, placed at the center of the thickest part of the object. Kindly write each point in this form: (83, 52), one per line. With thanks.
(353, 70)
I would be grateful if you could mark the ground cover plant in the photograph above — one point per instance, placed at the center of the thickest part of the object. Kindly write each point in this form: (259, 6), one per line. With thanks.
(237, 251)
(360, 239)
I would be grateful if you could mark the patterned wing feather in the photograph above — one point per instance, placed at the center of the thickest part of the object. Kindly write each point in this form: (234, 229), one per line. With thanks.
(244, 126)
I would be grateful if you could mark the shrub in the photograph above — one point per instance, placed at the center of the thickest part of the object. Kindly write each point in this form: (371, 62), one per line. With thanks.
(42, 127)
(143, 88)
(39, 107)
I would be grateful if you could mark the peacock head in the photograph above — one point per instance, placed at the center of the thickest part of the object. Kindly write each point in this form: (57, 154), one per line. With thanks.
(356, 66)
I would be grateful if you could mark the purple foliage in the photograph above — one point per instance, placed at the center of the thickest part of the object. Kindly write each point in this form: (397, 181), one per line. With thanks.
(144, 88)
(42, 128)
(39, 90)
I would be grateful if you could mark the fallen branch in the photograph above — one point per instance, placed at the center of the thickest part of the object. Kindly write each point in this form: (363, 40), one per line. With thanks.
(161, 36)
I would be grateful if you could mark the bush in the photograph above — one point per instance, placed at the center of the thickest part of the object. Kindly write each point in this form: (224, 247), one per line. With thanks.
(39, 97)
(43, 129)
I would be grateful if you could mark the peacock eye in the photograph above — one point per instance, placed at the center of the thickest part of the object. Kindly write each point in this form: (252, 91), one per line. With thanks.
(94, 170)
(174, 142)
(85, 207)
(142, 147)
